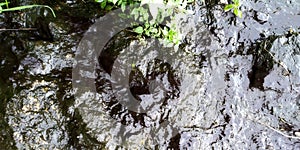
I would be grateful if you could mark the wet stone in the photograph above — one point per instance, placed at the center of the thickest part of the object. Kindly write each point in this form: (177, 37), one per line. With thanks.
(262, 17)
(227, 87)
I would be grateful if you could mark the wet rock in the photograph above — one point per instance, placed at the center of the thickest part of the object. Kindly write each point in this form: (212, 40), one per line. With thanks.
(262, 64)
(10, 55)
(261, 17)
(43, 30)
(223, 94)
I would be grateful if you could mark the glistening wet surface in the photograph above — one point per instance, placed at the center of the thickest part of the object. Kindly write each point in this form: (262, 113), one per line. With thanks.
(233, 84)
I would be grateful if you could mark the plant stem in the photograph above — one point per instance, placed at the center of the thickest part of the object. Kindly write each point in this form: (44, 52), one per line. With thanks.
(6, 3)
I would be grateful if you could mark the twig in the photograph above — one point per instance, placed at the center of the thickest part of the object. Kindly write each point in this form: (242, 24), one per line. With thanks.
(286, 135)
(276, 130)
(277, 61)
(20, 29)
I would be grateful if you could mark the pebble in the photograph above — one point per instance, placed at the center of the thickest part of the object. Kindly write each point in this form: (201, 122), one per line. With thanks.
(262, 16)
(297, 134)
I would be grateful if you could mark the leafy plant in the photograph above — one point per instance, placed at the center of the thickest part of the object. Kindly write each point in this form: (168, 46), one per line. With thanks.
(110, 4)
(151, 28)
(21, 7)
(235, 7)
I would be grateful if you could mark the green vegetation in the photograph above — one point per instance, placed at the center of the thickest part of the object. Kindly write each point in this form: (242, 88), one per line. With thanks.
(235, 7)
(158, 21)
(110, 4)
(159, 24)
(21, 7)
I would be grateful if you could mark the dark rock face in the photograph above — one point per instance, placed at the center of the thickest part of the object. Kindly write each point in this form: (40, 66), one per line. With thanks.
(235, 85)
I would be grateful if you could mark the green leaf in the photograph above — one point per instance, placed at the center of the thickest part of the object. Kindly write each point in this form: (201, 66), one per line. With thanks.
(153, 30)
(20, 8)
(122, 15)
(159, 33)
(103, 4)
(119, 2)
(159, 18)
(167, 13)
(139, 30)
(52, 11)
(108, 7)
(146, 17)
(6, 3)
(123, 6)
(235, 11)
(147, 25)
(238, 13)
(2, 4)
(228, 7)
(147, 32)
(236, 1)
(165, 31)
(29, 6)
(135, 13)
(133, 66)
(115, 2)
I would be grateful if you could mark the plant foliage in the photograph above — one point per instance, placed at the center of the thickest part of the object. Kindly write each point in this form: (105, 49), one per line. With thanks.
(157, 20)
(235, 7)
(21, 7)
